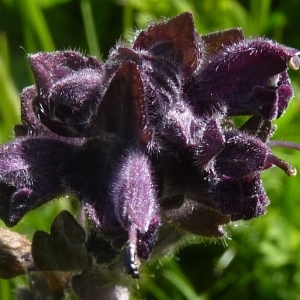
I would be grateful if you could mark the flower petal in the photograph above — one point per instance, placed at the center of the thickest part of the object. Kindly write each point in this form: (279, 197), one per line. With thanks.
(229, 78)
(122, 109)
(133, 193)
(162, 39)
(241, 155)
(242, 199)
(197, 218)
(48, 68)
(216, 41)
(32, 173)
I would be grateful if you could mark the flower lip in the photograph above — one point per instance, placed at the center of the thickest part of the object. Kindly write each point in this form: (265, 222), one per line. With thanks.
(249, 77)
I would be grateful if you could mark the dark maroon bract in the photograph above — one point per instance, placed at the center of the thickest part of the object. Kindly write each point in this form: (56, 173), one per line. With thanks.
(147, 139)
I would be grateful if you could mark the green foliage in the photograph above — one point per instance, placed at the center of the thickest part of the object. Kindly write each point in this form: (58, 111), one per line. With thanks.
(9, 105)
(262, 258)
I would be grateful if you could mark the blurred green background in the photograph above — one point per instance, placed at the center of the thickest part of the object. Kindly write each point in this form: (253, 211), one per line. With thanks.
(261, 258)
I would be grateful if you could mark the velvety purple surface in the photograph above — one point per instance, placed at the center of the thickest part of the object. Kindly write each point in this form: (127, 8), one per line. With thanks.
(145, 138)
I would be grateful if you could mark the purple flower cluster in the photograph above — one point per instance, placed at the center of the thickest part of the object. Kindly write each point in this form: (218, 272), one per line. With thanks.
(147, 138)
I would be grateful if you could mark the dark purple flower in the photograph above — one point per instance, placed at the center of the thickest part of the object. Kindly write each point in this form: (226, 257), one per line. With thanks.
(133, 193)
(146, 140)
(243, 77)
(32, 172)
(67, 91)
(163, 41)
